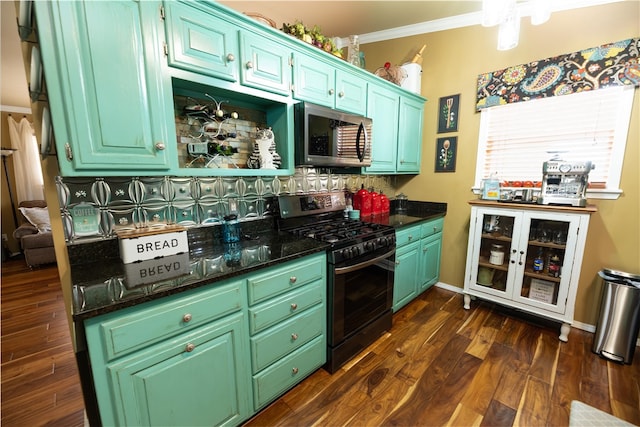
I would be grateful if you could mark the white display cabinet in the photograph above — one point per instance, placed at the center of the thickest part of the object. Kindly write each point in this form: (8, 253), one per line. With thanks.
(527, 257)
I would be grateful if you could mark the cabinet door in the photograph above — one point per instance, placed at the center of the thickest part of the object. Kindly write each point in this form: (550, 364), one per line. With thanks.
(495, 232)
(383, 108)
(313, 80)
(430, 250)
(410, 135)
(200, 378)
(264, 64)
(351, 93)
(405, 286)
(201, 42)
(105, 86)
(549, 241)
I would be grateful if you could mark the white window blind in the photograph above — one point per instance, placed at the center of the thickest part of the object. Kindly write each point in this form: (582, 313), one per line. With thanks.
(515, 139)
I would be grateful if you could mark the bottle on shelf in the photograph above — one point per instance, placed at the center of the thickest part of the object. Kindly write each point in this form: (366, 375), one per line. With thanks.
(538, 262)
(553, 268)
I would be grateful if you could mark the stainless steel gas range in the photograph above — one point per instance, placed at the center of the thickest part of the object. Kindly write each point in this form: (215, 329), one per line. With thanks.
(360, 270)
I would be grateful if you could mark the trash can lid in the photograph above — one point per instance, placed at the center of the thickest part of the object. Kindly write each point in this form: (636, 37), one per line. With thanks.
(628, 277)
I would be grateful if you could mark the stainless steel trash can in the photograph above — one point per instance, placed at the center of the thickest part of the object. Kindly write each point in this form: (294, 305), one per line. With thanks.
(617, 329)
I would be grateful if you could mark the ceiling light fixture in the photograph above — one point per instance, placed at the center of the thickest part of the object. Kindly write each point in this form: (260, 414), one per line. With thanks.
(506, 14)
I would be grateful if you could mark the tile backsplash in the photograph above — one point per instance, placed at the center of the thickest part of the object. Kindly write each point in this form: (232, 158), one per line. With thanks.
(134, 202)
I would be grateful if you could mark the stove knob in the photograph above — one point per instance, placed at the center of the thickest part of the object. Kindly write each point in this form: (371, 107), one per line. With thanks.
(356, 250)
(369, 245)
(346, 253)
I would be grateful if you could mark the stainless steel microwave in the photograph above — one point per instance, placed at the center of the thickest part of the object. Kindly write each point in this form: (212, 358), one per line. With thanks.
(331, 138)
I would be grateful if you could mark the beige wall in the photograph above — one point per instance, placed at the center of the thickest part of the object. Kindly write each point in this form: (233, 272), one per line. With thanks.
(452, 61)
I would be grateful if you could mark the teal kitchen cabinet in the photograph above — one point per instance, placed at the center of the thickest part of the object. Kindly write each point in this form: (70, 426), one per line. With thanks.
(431, 252)
(418, 255)
(405, 287)
(410, 122)
(205, 41)
(104, 86)
(397, 130)
(182, 360)
(287, 323)
(383, 107)
(320, 82)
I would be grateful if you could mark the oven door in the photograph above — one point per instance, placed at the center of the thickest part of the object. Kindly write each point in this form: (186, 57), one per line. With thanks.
(360, 291)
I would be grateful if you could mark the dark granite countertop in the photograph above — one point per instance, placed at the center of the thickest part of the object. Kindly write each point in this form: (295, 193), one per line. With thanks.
(102, 283)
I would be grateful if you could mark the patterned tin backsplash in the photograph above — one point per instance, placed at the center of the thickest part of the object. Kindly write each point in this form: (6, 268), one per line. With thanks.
(94, 208)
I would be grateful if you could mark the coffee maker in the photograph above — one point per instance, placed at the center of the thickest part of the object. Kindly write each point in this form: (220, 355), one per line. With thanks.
(564, 182)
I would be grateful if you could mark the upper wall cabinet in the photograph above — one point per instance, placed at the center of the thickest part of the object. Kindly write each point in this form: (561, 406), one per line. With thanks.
(397, 131)
(320, 82)
(200, 41)
(106, 103)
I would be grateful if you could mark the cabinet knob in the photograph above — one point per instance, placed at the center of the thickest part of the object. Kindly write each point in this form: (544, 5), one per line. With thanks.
(249, 65)
(294, 371)
(189, 347)
(231, 57)
(187, 318)
(425, 249)
(293, 279)
(294, 337)
(341, 94)
(331, 91)
(294, 306)
(397, 262)
(160, 146)
(410, 237)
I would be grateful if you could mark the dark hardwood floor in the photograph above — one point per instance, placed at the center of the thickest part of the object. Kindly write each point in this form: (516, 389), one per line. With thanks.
(40, 384)
(439, 365)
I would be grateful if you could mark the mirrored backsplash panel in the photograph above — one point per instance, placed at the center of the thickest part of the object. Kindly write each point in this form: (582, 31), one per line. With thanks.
(95, 208)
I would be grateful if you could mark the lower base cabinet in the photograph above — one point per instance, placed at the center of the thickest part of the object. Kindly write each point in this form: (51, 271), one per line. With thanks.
(418, 256)
(212, 356)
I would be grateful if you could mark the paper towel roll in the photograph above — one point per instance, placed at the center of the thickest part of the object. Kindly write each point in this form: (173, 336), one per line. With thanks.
(414, 77)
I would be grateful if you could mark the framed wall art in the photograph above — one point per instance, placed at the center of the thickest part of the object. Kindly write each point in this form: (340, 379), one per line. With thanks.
(446, 154)
(448, 113)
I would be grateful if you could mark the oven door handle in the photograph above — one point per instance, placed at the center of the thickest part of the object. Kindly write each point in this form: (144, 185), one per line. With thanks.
(351, 268)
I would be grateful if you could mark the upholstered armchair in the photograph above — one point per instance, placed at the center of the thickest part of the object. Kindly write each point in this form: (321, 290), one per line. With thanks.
(34, 234)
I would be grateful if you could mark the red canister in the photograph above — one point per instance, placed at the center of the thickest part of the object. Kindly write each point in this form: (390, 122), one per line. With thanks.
(376, 202)
(384, 202)
(366, 206)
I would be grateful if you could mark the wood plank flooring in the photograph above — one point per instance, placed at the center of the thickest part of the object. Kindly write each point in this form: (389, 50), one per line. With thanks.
(439, 365)
(39, 383)
(442, 365)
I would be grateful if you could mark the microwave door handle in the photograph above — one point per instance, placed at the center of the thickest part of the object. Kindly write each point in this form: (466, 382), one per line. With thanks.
(361, 130)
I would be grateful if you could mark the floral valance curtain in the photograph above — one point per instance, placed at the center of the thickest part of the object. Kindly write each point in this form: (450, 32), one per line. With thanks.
(612, 64)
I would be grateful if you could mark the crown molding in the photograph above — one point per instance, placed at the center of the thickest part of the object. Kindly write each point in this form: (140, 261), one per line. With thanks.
(15, 109)
(465, 20)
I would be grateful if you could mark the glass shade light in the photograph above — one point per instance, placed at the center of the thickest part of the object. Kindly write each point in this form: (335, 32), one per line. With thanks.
(493, 11)
(509, 31)
(541, 11)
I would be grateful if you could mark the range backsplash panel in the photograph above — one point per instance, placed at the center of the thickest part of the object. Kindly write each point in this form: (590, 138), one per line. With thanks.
(95, 208)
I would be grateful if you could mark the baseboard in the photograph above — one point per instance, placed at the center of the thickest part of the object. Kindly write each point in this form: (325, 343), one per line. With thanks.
(579, 325)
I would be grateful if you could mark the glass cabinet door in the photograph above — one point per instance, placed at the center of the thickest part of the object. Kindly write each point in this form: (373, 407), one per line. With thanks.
(495, 249)
(550, 242)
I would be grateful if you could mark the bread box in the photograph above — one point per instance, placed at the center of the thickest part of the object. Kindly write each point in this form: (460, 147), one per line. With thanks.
(152, 242)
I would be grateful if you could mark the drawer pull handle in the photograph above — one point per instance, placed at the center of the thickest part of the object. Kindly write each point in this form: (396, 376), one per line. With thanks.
(294, 371)
(410, 237)
(341, 94)
(249, 65)
(293, 279)
(190, 347)
(160, 146)
(331, 91)
(397, 262)
(294, 306)
(231, 57)
(294, 337)
(187, 318)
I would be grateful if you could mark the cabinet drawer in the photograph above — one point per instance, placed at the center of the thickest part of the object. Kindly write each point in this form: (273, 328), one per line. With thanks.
(432, 227)
(287, 372)
(136, 327)
(278, 309)
(407, 235)
(282, 339)
(285, 277)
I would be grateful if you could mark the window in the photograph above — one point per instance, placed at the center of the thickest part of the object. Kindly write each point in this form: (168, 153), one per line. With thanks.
(515, 139)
